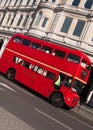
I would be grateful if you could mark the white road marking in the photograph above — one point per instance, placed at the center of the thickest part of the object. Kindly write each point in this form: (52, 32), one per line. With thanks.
(53, 119)
(6, 86)
(76, 119)
(19, 88)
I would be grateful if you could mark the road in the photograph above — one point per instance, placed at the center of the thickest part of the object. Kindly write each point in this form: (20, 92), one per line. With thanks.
(36, 113)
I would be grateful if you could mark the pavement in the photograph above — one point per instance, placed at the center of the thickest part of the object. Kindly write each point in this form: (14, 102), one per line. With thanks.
(86, 108)
(9, 121)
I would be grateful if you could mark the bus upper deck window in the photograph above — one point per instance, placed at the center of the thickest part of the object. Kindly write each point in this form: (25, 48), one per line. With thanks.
(88, 67)
(59, 53)
(84, 64)
(17, 39)
(47, 49)
(26, 42)
(73, 58)
(36, 46)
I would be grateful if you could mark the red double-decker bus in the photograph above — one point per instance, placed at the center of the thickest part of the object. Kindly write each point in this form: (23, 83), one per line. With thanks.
(56, 72)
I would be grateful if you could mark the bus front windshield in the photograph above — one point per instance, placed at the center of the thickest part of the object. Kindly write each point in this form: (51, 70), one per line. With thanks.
(77, 87)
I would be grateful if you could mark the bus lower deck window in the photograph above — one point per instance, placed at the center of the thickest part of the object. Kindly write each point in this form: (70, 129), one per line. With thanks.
(26, 64)
(50, 75)
(17, 60)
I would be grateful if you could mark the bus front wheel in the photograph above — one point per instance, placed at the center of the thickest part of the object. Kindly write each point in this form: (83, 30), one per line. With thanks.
(56, 99)
(10, 74)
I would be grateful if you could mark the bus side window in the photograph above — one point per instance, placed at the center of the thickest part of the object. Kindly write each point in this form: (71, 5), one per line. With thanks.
(73, 58)
(59, 53)
(26, 64)
(40, 70)
(26, 42)
(49, 75)
(36, 46)
(17, 60)
(17, 39)
(47, 49)
(84, 64)
(37, 69)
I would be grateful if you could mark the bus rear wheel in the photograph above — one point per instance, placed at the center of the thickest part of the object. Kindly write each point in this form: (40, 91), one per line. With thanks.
(10, 74)
(56, 99)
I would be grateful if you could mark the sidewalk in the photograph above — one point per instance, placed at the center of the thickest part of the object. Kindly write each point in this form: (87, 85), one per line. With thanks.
(87, 108)
(11, 122)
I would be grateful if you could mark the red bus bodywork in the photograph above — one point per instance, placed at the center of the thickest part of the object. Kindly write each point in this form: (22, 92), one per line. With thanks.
(34, 62)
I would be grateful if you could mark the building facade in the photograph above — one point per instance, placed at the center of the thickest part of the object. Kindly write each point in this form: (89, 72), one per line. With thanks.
(65, 22)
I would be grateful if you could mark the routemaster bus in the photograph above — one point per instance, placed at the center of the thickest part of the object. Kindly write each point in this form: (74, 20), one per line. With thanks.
(55, 72)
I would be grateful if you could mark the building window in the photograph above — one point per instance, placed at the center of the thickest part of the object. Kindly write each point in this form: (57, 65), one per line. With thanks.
(92, 39)
(76, 2)
(25, 21)
(53, 0)
(38, 19)
(79, 28)
(28, 2)
(15, 3)
(9, 3)
(12, 19)
(8, 19)
(20, 2)
(88, 4)
(45, 0)
(66, 25)
(19, 21)
(44, 22)
(0, 2)
(33, 2)
(3, 2)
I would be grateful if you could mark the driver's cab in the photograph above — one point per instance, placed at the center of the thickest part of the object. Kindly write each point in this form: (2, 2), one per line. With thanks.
(68, 82)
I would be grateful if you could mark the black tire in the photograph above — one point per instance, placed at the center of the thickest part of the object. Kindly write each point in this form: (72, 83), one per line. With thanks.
(10, 74)
(56, 99)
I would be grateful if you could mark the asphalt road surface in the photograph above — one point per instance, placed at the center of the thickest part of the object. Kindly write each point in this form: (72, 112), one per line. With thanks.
(21, 109)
